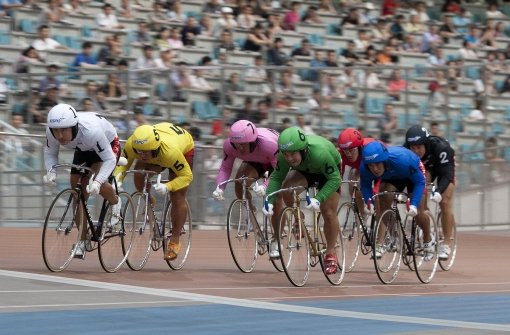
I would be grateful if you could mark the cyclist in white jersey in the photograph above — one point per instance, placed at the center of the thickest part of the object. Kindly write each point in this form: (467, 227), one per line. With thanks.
(96, 144)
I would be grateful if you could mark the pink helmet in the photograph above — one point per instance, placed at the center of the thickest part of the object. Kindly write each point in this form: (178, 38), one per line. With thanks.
(243, 131)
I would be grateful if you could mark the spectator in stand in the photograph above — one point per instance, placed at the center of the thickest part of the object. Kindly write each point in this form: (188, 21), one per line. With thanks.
(316, 63)
(389, 7)
(256, 40)
(43, 42)
(381, 31)
(436, 57)
(434, 129)
(414, 26)
(28, 56)
(86, 105)
(388, 122)
(146, 61)
(165, 60)
(51, 79)
(349, 54)
(468, 51)
(493, 11)
(246, 19)
(304, 124)
(396, 85)
(142, 35)
(108, 19)
(213, 7)
(491, 63)
(125, 10)
(48, 100)
(180, 80)
(75, 7)
(274, 27)
(175, 39)
(285, 86)
(505, 88)
(431, 39)
(325, 6)
(410, 44)
(52, 13)
(198, 81)
(100, 98)
(316, 104)
(311, 16)
(421, 12)
(85, 58)
(162, 39)
(190, 31)
(363, 41)
(331, 59)
(498, 166)
(158, 17)
(291, 18)
(397, 28)
(473, 35)
(226, 43)
(113, 88)
(227, 20)
(351, 19)
(207, 27)
(369, 79)
(451, 6)
(462, 20)
(232, 86)
(386, 56)
(303, 50)
(176, 14)
(477, 114)
(8, 7)
(447, 30)
(275, 54)
(489, 35)
(110, 53)
(260, 115)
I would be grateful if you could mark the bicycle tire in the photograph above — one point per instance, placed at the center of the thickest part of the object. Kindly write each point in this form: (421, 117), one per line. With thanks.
(446, 264)
(184, 238)
(337, 277)
(350, 231)
(407, 255)
(141, 244)
(294, 247)
(388, 265)
(425, 264)
(269, 236)
(242, 239)
(60, 233)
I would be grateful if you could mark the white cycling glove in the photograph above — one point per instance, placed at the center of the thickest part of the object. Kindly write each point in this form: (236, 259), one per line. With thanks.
(259, 190)
(268, 211)
(436, 197)
(93, 187)
(218, 194)
(413, 211)
(49, 179)
(314, 205)
(369, 209)
(160, 188)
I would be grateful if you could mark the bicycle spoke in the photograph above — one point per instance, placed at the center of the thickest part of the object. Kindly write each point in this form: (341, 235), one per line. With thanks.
(350, 230)
(141, 243)
(242, 238)
(426, 259)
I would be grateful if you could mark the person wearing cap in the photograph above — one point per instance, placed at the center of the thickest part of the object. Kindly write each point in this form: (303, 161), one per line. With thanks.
(158, 148)
(398, 169)
(306, 160)
(95, 143)
(227, 20)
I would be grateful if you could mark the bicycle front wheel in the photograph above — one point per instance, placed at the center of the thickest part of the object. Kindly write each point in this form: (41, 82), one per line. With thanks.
(184, 237)
(142, 230)
(112, 251)
(425, 260)
(61, 231)
(350, 230)
(447, 263)
(242, 238)
(388, 247)
(294, 246)
(271, 237)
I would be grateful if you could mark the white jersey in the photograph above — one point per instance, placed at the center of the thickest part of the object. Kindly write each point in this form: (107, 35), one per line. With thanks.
(95, 133)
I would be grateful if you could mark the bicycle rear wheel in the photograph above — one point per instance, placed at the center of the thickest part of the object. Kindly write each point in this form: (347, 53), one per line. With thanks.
(142, 230)
(335, 278)
(446, 264)
(407, 255)
(350, 230)
(389, 234)
(294, 246)
(242, 238)
(425, 263)
(184, 238)
(114, 242)
(61, 232)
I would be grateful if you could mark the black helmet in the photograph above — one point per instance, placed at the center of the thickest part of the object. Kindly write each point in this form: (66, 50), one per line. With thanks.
(416, 135)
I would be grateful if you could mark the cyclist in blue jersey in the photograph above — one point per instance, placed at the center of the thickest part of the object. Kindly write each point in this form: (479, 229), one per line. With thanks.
(398, 168)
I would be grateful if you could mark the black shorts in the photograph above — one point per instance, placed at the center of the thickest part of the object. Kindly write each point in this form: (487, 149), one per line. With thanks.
(260, 168)
(317, 179)
(91, 157)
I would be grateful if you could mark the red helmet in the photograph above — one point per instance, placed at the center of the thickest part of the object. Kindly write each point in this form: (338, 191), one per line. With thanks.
(350, 138)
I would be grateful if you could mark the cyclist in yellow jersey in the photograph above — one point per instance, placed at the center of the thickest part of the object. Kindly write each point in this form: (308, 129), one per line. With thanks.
(156, 148)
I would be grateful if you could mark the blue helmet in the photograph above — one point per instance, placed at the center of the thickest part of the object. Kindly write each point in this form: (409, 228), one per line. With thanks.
(375, 152)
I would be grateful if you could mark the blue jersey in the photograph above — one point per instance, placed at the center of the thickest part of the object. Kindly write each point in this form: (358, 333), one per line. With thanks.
(402, 164)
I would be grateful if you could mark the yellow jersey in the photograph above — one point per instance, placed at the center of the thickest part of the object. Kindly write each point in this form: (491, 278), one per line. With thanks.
(175, 143)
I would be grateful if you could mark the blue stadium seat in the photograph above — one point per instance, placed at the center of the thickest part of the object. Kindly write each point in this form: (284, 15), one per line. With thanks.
(28, 26)
(205, 110)
(5, 37)
(473, 72)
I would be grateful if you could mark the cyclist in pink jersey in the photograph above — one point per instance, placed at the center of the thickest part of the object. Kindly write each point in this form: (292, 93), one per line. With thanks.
(256, 147)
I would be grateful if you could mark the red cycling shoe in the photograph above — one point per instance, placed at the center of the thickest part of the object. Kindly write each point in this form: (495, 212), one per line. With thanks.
(330, 264)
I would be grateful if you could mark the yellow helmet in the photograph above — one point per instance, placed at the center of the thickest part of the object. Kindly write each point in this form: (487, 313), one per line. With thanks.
(146, 138)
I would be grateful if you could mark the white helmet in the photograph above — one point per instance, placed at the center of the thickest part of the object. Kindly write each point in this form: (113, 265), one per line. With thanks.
(62, 116)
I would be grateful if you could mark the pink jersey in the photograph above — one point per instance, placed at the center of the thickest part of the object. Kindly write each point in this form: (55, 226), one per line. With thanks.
(265, 153)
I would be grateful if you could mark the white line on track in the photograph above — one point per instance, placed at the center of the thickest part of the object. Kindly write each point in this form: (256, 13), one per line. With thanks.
(258, 304)
(96, 304)
(52, 291)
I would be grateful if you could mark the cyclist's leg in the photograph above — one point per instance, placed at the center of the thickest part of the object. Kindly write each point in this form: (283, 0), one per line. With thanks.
(383, 203)
(246, 169)
(331, 224)
(447, 218)
(179, 213)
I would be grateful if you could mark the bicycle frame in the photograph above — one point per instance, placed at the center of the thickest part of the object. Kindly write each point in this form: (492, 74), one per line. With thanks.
(366, 233)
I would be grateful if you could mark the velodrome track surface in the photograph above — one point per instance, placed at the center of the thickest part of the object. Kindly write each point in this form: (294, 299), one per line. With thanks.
(210, 296)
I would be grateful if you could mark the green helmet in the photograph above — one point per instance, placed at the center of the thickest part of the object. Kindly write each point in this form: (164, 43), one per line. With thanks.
(292, 139)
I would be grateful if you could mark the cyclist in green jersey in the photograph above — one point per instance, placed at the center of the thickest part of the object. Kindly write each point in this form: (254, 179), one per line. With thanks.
(307, 160)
